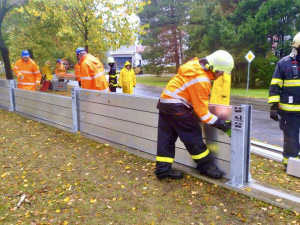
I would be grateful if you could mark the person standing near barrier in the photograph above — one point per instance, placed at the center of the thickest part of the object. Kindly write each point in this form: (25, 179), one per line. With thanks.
(77, 73)
(127, 80)
(47, 73)
(60, 70)
(113, 81)
(284, 98)
(27, 71)
(92, 74)
(187, 93)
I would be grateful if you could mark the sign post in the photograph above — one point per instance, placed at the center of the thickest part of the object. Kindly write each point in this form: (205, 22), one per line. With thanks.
(249, 57)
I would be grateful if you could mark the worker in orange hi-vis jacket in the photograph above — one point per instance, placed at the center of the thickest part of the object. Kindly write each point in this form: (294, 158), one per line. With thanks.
(27, 71)
(77, 73)
(60, 70)
(92, 74)
(182, 103)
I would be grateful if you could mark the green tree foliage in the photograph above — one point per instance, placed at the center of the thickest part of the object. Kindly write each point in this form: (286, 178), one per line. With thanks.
(5, 7)
(54, 29)
(165, 38)
(239, 26)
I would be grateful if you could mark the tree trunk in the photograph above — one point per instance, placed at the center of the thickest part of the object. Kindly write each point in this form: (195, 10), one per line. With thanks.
(5, 57)
(175, 39)
(7, 66)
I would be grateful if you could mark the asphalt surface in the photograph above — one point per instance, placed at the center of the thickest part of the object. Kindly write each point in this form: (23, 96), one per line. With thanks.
(263, 128)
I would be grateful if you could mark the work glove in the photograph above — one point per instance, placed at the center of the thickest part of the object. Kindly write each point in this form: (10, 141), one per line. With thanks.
(223, 125)
(274, 111)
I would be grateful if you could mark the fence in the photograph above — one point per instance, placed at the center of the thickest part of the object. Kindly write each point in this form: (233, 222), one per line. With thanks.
(132, 121)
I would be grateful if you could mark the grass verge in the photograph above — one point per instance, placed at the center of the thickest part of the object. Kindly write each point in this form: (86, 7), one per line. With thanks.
(163, 80)
(69, 179)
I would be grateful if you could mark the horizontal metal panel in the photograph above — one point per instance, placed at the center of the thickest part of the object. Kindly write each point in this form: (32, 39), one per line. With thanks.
(217, 149)
(222, 111)
(4, 90)
(56, 119)
(4, 103)
(53, 109)
(148, 146)
(4, 97)
(4, 83)
(183, 157)
(44, 97)
(141, 144)
(129, 128)
(141, 117)
(147, 104)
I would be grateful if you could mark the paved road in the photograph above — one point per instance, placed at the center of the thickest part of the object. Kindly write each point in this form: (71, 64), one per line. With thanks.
(263, 128)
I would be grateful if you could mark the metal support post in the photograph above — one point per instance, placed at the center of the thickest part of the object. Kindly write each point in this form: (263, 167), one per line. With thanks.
(240, 146)
(74, 92)
(12, 85)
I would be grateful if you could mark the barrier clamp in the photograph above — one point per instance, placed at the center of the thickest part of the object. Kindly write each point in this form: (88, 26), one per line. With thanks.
(240, 146)
(12, 86)
(74, 91)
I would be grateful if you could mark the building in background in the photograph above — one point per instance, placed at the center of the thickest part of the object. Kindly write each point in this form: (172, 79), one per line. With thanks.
(132, 53)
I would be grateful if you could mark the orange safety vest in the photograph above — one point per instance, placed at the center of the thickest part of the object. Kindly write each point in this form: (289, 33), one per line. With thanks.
(77, 71)
(31, 73)
(60, 69)
(92, 74)
(191, 87)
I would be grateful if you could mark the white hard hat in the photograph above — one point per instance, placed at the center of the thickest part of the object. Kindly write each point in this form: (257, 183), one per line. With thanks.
(221, 60)
(296, 41)
(110, 60)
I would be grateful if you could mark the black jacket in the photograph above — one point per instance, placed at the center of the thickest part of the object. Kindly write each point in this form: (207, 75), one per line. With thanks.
(285, 85)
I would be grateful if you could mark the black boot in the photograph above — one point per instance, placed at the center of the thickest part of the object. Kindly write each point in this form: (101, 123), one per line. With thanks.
(212, 172)
(169, 174)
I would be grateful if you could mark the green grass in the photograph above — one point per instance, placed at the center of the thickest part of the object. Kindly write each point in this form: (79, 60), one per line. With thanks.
(154, 80)
(69, 179)
(163, 80)
(252, 93)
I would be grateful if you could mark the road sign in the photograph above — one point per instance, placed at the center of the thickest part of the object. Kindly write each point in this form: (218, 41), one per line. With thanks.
(249, 56)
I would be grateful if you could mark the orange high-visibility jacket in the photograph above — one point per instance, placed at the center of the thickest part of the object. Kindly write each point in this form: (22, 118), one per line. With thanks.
(191, 86)
(92, 75)
(77, 71)
(30, 72)
(60, 69)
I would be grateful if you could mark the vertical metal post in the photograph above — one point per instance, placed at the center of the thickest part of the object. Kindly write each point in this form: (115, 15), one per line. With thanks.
(240, 146)
(74, 108)
(248, 76)
(12, 85)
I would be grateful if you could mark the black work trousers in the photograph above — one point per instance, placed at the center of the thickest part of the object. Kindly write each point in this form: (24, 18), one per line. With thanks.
(290, 125)
(180, 122)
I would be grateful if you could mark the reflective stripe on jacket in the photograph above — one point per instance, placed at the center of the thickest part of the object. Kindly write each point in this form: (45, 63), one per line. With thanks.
(285, 87)
(113, 81)
(92, 75)
(77, 71)
(31, 73)
(60, 69)
(191, 86)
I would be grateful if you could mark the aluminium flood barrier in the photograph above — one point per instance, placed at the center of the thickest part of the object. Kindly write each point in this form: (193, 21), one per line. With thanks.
(132, 121)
